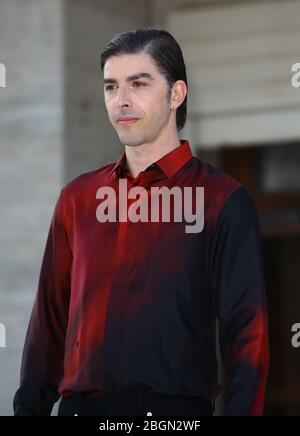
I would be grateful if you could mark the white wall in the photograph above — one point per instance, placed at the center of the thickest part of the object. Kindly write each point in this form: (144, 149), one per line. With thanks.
(239, 58)
(30, 164)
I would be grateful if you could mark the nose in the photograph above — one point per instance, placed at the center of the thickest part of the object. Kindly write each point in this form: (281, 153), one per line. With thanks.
(122, 97)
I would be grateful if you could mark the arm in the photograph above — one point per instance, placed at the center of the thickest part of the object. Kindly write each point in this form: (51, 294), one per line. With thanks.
(43, 353)
(239, 295)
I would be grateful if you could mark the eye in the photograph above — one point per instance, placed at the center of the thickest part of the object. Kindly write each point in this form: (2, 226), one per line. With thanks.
(109, 87)
(138, 84)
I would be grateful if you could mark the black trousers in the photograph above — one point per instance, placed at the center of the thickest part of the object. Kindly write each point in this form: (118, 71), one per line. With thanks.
(135, 404)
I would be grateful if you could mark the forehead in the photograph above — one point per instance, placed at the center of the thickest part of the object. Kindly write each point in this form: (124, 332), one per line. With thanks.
(121, 66)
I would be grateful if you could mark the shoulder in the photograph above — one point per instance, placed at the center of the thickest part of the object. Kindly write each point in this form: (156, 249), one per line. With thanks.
(85, 180)
(239, 209)
(76, 193)
(227, 201)
(222, 192)
(218, 185)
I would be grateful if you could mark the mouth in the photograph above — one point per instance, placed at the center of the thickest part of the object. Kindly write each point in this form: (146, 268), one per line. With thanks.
(127, 121)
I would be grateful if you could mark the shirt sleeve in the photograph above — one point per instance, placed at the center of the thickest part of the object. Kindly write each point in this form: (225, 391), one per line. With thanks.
(239, 295)
(42, 361)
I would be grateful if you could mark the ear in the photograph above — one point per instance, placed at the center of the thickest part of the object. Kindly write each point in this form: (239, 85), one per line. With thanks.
(179, 92)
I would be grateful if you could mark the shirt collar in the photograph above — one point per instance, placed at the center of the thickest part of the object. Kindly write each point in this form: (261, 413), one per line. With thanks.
(169, 164)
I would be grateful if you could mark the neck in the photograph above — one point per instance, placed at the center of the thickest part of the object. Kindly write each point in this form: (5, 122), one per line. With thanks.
(139, 157)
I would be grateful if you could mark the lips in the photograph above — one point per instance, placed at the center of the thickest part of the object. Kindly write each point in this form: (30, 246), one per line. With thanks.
(127, 120)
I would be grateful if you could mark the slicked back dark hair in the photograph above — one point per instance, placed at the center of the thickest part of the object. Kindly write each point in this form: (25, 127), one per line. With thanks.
(165, 52)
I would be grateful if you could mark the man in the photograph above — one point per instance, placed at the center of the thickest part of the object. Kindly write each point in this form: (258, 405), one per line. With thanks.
(125, 314)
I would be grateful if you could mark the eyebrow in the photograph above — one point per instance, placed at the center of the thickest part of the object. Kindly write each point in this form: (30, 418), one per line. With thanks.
(131, 78)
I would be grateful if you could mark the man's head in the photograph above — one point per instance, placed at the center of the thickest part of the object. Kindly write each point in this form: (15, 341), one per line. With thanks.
(145, 78)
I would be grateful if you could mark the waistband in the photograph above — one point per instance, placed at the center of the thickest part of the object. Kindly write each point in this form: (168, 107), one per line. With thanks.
(135, 404)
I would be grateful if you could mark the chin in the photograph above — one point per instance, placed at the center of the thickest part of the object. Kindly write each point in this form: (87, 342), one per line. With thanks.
(130, 141)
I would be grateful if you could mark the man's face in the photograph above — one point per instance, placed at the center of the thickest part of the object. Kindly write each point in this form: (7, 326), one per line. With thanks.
(133, 87)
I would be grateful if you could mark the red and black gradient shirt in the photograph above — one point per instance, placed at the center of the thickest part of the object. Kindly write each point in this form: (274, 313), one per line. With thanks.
(132, 306)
